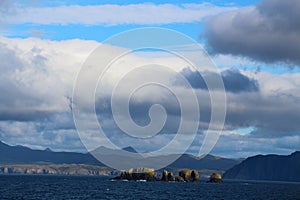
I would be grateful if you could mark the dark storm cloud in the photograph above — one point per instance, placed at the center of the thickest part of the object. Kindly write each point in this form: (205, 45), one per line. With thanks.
(248, 105)
(139, 111)
(273, 115)
(25, 115)
(268, 32)
(234, 81)
(194, 78)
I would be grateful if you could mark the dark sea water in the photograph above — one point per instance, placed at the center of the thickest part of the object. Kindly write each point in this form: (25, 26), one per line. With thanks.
(84, 187)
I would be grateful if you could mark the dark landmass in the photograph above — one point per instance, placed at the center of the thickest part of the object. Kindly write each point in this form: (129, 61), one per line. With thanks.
(24, 155)
(267, 167)
(20, 155)
(208, 162)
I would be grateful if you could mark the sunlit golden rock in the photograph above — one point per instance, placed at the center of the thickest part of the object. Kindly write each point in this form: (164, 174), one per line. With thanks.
(215, 178)
(189, 175)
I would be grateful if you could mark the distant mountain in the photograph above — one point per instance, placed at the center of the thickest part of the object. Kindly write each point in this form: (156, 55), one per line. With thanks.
(208, 162)
(130, 155)
(25, 155)
(130, 149)
(268, 167)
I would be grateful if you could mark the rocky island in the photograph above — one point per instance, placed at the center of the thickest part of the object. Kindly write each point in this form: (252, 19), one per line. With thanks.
(215, 178)
(148, 174)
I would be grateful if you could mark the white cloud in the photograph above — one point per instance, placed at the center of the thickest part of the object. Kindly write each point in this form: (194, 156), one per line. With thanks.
(112, 14)
(37, 75)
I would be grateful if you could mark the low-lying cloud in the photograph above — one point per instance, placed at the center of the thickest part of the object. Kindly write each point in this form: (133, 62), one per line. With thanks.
(113, 14)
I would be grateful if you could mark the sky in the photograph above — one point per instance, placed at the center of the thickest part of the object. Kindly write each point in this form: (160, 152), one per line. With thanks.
(254, 46)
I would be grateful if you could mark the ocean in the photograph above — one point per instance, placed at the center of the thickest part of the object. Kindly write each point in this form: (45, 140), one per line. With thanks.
(95, 187)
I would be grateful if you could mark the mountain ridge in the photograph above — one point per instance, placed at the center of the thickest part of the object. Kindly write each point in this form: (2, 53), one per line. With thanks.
(24, 155)
(270, 167)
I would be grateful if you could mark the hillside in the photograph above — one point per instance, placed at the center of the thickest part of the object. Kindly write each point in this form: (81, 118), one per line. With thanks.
(267, 167)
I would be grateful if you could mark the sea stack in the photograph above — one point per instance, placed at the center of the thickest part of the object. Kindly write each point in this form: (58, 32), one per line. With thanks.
(136, 174)
(215, 178)
(167, 176)
(189, 175)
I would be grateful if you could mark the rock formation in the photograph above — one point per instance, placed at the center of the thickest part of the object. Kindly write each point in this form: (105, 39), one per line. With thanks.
(137, 174)
(179, 179)
(148, 174)
(167, 176)
(189, 175)
(215, 178)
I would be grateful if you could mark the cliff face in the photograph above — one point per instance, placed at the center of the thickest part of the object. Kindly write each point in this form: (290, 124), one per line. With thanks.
(269, 167)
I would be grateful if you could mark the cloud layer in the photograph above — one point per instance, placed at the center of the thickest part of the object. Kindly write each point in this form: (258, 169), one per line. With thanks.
(37, 79)
(268, 32)
(112, 14)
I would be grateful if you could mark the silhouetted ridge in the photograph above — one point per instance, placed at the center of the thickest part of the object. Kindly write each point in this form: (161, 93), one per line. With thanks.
(267, 167)
(24, 155)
